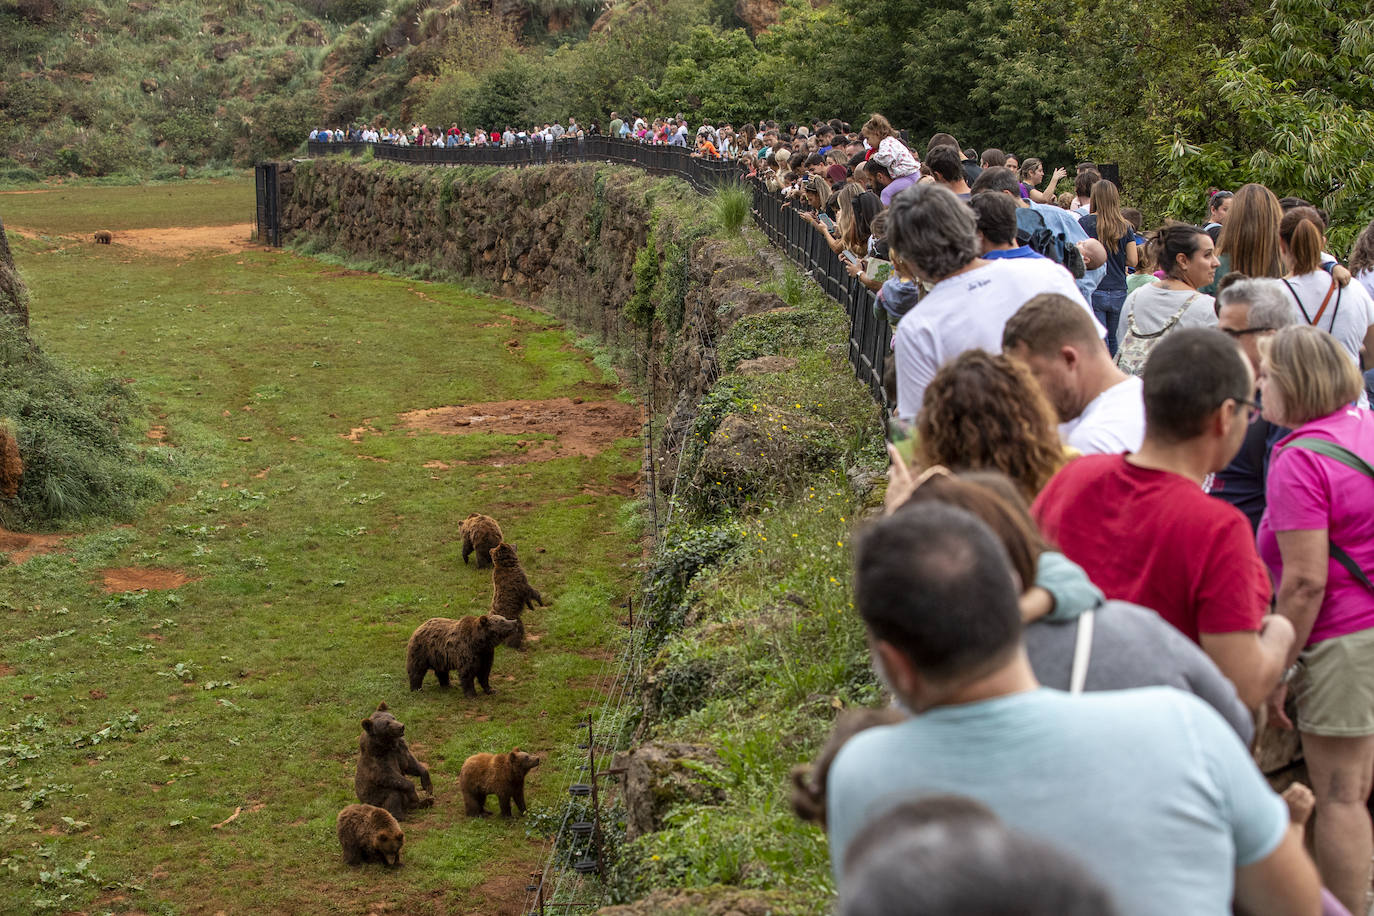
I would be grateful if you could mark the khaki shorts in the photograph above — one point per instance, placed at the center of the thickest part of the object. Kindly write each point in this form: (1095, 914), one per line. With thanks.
(1335, 694)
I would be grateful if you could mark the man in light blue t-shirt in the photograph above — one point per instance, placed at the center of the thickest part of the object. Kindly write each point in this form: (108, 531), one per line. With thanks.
(1149, 788)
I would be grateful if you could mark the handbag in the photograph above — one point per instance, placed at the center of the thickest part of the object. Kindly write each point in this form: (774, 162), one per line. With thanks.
(1136, 346)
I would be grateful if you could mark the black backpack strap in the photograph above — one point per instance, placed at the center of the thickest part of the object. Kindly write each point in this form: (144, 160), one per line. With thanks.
(1351, 460)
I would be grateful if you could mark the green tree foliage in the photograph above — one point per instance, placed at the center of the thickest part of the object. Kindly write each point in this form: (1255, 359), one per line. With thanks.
(712, 74)
(1301, 97)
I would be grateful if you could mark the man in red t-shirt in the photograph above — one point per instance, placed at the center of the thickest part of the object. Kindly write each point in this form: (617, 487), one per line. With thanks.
(1144, 530)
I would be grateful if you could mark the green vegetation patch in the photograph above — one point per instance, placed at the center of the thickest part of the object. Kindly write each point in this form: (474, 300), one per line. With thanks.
(314, 532)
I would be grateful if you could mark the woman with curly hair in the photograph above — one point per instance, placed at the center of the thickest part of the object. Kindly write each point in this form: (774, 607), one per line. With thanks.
(1362, 259)
(985, 412)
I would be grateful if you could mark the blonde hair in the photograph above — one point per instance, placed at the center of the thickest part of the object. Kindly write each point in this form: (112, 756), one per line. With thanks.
(1313, 373)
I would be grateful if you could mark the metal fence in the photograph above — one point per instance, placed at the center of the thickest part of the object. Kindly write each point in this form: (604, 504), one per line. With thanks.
(267, 215)
(870, 336)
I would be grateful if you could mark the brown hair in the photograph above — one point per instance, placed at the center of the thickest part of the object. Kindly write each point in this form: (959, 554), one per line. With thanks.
(1250, 236)
(1313, 373)
(1301, 230)
(986, 411)
(1084, 183)
(1017, 533)
(810, 781)
(877, 129)
(1362, 255)
(1047, 322)
(1111, 225)
(1173, 240)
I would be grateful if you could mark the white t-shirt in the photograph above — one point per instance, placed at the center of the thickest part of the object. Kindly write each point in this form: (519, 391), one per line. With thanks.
(1346, 318)
(1366, 279)
(968, 312)
(1112, 423)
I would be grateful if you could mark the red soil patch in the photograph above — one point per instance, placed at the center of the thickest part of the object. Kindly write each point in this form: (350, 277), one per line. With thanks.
(502, 895)
(21, 547)
(133, 579)
(582, 428)
(6, 670)
(179, 241)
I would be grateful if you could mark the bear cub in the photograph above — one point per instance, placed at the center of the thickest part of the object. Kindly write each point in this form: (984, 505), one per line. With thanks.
(480, 534)
(370, 834)
(511, 592)
(385, 760)
(502, 775)
(466, 645)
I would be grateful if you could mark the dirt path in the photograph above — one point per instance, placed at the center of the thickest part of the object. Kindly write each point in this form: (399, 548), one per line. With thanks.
(583, 428)
(173, 241)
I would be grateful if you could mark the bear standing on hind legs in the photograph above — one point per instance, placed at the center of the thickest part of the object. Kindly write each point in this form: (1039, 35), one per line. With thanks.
(511, 592)
(480, 534)
(385, 760)
(502, 775)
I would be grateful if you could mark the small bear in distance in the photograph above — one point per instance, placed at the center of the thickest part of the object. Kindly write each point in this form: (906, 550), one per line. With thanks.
(103, 237)
(369, 834)
(502, 775)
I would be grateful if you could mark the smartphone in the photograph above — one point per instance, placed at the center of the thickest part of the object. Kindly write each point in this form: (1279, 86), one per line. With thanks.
(850, 256)
(829, 223)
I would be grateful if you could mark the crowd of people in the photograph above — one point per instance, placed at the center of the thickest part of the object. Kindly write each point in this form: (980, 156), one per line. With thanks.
(1129, 534)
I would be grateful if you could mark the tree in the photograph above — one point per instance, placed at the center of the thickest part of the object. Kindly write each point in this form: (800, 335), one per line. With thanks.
(712, 74)
(1301, 93)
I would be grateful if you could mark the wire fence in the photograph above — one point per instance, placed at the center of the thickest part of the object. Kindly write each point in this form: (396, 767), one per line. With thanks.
(870, 336)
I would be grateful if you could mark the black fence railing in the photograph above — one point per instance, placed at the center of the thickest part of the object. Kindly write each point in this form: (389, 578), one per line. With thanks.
(870, 336)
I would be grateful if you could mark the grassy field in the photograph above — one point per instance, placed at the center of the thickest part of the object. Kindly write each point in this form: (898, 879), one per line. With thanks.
(137, 721)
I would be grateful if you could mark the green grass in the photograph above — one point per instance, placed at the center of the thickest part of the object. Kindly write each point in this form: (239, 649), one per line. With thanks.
(135, 722)
(81, 208)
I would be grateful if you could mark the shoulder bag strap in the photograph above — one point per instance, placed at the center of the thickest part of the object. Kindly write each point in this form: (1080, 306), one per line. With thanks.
(1082, 652)
(1135, 332)
(1351, 460)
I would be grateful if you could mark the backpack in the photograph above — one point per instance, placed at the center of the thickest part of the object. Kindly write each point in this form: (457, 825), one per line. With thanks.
(1031, 230)
(1135, 347)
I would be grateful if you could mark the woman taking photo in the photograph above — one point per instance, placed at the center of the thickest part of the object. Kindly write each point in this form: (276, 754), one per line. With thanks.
(1317, 537)
(1032, 173)
(1344, 313)
(1105, 223)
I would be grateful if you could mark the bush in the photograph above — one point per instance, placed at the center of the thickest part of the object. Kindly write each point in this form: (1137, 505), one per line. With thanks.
(730, 208)
(68, 425)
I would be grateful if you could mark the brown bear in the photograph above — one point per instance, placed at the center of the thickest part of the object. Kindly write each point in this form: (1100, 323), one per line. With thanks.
(466, 645)
(384, 762)
(502, 775)
(480, 534)
(370, 834)
(511, 592)
(104, 237)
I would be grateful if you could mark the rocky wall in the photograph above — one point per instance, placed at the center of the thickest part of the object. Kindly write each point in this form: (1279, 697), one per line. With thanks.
(619, 254)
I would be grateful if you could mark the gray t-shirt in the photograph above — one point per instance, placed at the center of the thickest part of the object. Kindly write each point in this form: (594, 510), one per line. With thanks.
(1135, 647)
(1153, 307)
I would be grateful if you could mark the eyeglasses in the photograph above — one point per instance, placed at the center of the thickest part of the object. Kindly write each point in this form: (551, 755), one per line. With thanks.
(1244, 331)
(1241, 402)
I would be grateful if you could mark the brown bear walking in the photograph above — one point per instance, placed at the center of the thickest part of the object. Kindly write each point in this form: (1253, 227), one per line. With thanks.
(480, 534)
(466, 645)
(103, 237)
(502, 775)
(383, 764)
(511, 592)
(370, 834)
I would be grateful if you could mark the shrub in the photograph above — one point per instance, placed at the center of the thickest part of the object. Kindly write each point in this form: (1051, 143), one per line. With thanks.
(730, 208)
(68, 425)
